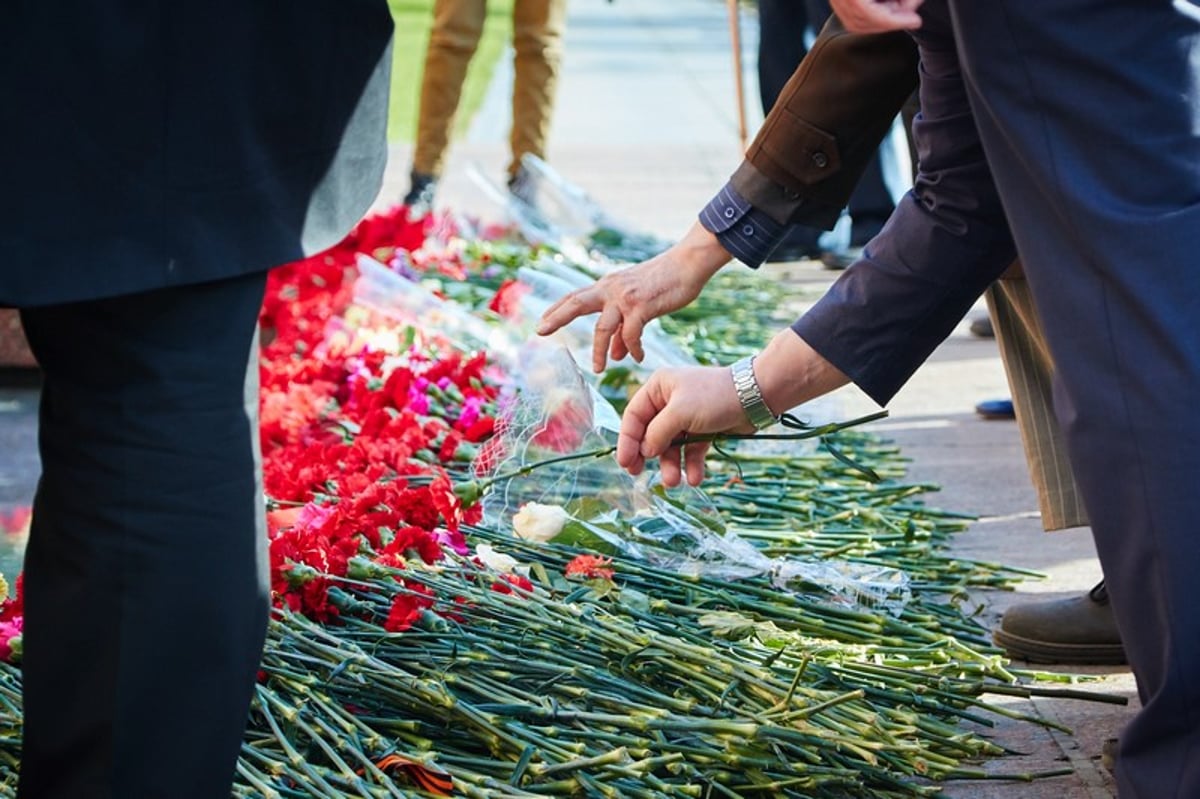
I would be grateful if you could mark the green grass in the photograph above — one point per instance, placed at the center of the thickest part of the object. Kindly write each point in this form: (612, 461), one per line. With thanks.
(413, 18)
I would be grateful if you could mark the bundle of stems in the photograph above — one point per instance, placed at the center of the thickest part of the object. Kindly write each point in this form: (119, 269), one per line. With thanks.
(603, 689)
(811, 505)
(10, 728)
(654, 682)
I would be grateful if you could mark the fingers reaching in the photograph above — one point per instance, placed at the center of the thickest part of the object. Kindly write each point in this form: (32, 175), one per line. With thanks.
(626, 299)
(608, 329)
(580, 302)
(631, 336)
(694, 455)
(672, 404)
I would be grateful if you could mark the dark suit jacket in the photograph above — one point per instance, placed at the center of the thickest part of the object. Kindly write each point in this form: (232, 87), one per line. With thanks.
(150, 143)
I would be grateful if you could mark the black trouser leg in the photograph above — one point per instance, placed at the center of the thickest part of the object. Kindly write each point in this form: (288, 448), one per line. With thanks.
(145, 575)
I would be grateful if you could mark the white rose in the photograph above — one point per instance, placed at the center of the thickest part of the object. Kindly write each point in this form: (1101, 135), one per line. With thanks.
(536, 522)
(505, 564)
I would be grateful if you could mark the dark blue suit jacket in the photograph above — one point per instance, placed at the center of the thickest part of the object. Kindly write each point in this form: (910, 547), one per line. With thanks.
(150, 143)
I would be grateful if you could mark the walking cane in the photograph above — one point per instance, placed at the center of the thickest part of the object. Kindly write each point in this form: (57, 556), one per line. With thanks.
(735, 35)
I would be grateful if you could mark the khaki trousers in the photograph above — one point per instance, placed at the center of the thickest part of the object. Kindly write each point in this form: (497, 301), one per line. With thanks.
(537, 43)
(1029, 368)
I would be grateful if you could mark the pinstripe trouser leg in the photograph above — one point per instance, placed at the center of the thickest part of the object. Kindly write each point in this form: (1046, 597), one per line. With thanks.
(1030, 369)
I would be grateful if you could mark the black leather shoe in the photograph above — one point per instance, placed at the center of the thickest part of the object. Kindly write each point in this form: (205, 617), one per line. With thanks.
(421, 191)
(1080, 629)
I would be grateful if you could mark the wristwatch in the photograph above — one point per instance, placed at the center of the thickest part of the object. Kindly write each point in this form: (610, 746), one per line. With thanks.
(749, 394)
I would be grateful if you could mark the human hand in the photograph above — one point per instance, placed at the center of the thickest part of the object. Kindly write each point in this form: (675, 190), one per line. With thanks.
(629, 298)
(701, 400)
(692, 400)
(877, 16)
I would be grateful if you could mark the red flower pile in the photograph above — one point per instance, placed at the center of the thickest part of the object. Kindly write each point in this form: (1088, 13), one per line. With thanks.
(360, 422)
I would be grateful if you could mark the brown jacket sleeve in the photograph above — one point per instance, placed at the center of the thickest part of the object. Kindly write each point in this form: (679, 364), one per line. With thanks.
(828, 121)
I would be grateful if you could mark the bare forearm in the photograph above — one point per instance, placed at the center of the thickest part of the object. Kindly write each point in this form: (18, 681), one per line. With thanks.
(790, 372)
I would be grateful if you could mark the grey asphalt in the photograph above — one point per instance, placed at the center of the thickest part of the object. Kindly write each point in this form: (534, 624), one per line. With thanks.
(647, 124)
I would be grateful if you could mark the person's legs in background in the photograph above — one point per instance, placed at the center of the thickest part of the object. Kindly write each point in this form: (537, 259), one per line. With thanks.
(783, 27)
(146, 592)
(538, 27)
(457, 27)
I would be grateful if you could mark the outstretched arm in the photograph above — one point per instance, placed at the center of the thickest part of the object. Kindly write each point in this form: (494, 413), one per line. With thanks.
(801, 168)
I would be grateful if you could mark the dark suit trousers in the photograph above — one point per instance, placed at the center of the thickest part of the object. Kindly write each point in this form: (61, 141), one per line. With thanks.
(146, 572)
(1087, 111)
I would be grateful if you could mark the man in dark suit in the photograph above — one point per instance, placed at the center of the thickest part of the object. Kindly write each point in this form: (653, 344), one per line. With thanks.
(160, 157)
(1109, 244)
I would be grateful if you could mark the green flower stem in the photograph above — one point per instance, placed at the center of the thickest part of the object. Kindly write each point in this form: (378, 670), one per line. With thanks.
(616, 756)
(295, 759)
(980, 774)
(256, 781)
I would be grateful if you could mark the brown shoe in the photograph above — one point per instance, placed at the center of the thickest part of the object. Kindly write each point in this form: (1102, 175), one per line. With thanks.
(1076, 630)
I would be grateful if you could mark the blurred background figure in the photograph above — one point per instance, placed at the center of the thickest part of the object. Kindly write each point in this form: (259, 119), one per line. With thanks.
(786, 30)
(537, 44)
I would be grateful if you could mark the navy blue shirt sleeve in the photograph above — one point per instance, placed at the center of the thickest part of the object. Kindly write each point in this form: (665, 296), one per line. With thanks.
(748, 234)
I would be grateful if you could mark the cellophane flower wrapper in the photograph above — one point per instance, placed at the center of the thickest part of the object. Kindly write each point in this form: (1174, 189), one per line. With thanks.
(555, 410)
(404, 300)
(556, 414)
(578, 220)
(591, 243)
(548, 209)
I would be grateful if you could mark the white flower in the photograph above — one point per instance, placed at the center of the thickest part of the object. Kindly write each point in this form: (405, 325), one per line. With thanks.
(495, 560)
(537, 522)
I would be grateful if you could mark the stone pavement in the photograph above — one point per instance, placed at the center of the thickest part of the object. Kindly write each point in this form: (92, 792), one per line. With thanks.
(646, 123)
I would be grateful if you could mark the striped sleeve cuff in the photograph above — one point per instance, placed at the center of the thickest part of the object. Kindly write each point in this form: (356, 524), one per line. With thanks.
(748, 234)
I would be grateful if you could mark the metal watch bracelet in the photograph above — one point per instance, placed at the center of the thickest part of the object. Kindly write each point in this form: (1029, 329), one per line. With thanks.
(749, 394)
